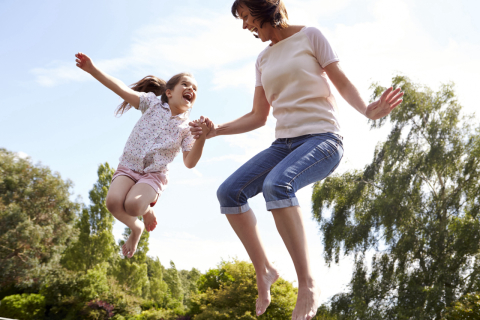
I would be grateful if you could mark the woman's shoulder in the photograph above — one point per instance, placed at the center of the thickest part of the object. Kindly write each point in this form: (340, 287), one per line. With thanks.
(312, 32)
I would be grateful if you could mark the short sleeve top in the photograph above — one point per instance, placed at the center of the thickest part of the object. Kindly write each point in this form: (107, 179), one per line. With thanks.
(157, 137)
(292, 74)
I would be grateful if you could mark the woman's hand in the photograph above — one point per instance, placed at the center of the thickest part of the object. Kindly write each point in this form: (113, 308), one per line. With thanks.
(84, 62)
(196, 128)
(387, 102)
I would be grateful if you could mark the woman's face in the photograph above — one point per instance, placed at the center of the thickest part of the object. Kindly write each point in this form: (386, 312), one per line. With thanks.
(251, 24)
(184, 94)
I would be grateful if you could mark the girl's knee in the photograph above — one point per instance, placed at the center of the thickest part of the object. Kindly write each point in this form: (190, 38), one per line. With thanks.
(135, 207)
(113, 203)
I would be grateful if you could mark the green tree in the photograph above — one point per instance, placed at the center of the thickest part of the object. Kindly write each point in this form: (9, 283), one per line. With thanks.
(174, 283)
(158, 287)
(189, 280)
(133, 272)
(23, 306)
(230, 292)
(416, 206)
(36, 220)
(467, 308)
(95, 243)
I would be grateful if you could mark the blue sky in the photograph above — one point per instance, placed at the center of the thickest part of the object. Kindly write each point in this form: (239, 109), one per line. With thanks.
(59, 116)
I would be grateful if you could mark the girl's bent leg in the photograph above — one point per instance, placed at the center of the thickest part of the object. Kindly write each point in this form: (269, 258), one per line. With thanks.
(289, 222)
(138, 202)
(245, 226)
(116, 205)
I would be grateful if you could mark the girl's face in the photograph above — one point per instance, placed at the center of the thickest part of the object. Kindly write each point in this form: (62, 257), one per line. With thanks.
(183, 94)
(253, 25)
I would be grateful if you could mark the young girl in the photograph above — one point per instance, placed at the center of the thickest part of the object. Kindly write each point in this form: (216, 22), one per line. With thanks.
(156, 139)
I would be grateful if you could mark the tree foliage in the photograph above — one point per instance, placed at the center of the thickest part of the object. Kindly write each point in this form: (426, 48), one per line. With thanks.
(230, 292)
(23, 306)
(36, 220)
(95, 243)
(416, 206)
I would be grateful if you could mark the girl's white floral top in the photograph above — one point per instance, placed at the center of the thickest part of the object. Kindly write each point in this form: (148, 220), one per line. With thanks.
(157, 137)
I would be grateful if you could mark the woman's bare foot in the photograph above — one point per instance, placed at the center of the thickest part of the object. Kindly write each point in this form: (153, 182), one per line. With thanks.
(308, 301)
(150, 220)
(264, 282)
(129, 248)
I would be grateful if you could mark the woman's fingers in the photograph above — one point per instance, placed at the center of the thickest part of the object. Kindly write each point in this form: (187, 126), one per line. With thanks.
(395, 98)
(396, 104)
(385, 94)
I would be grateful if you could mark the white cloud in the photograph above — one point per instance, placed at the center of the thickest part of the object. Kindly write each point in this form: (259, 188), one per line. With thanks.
(22, 155)
(172, 46)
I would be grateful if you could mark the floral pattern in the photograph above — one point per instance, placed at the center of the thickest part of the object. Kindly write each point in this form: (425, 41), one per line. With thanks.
(157, 137)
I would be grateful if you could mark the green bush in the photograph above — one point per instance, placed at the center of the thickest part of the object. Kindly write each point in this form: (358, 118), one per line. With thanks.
(466, 308)
(23, 306)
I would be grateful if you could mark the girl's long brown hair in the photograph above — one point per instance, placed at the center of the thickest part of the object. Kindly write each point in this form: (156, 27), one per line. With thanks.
(155, 85)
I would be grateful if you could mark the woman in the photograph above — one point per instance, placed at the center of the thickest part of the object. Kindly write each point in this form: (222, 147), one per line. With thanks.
(291, 78)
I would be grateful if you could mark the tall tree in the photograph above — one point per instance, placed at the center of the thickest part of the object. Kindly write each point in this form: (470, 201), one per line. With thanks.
(133, 272)
(416, 206)
(95, 243)
(36, 220)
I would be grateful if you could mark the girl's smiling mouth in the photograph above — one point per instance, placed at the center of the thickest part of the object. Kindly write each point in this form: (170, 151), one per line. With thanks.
(188, 96)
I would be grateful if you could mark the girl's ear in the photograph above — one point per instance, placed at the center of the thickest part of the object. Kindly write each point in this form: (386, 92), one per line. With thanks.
(168, 93)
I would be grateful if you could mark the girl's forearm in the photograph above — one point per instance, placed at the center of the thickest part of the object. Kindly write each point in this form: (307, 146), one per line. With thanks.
(195, 154)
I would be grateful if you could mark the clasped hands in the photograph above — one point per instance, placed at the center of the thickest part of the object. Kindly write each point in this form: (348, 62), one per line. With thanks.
(202, 127)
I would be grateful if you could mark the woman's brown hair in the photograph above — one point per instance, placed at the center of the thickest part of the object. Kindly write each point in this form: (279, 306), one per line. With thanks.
(155, 85)
(271, 11)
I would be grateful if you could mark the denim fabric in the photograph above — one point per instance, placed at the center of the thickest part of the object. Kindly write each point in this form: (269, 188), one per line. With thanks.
(288, 165)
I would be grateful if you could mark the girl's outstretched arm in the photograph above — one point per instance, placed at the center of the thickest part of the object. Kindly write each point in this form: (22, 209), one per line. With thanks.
(86, 64)
(190, 158)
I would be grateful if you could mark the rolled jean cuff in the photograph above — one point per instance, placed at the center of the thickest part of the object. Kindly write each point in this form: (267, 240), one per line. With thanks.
(285, 203)
(235, 210)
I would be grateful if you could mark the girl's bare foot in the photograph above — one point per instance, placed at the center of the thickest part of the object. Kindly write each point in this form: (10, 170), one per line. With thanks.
(264, 282)
(150, 220)
(129, 248)
(308, 301)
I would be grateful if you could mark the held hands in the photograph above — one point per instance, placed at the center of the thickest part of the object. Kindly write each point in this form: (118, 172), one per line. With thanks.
(202, 127)
(387, 102)
(84, 62)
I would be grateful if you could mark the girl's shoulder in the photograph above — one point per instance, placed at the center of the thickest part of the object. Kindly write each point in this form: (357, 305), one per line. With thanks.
(148, 100)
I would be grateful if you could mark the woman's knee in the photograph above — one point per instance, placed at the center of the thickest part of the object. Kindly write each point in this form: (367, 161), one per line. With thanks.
(223, 192)
(274, 188)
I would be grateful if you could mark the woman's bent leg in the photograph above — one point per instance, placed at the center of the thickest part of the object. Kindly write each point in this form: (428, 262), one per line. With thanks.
(313, 159)
(245, 226)
(289, 222)
(233, 195)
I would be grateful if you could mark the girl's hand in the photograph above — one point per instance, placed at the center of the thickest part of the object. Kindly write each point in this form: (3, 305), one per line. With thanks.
(196, 128)
(84, 62)
(387, 102)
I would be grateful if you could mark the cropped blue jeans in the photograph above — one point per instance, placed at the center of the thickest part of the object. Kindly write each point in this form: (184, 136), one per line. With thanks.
(288, 165)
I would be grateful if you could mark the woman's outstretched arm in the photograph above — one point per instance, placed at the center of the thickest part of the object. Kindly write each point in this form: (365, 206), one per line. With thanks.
(251, 121)
(86, 64)
(377, 109)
